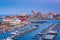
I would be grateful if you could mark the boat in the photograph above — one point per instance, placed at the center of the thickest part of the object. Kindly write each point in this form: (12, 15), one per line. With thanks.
(48, 37)
(52, 32)
(36, 25)
(27, 30)
(14, 33)
(41, 21)
(8, 38)
(41, 33)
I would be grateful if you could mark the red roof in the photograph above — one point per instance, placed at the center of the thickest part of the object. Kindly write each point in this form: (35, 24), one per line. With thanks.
(22, 19)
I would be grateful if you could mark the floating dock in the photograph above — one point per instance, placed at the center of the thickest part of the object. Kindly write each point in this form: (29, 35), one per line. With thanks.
(52, 32)
(47, 32)
(48, 37)
(14, 34)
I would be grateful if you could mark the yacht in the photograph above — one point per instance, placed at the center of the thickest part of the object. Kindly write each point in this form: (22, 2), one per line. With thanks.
(41, 21)
(8, 38)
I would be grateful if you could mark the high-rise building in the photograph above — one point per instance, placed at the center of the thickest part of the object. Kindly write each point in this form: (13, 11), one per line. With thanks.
(50, 15)
(39, 15)
(33, 14)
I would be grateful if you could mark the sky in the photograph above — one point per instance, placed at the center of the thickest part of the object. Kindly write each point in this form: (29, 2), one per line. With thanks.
(16, 7)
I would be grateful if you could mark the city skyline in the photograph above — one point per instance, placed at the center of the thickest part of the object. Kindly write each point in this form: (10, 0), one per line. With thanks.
(15, 7)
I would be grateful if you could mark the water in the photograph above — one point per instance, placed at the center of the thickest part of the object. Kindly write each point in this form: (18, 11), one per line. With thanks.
(4, 35)
(31, 34)
(57, 36)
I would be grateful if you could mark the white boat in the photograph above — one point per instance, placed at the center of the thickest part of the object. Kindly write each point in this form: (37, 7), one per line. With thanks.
(8, 38)
(14, 33)
(52, 32)
(49, 37)
(17, 32)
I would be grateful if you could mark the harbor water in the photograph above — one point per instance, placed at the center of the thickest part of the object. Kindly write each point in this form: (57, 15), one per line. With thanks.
(31, 34)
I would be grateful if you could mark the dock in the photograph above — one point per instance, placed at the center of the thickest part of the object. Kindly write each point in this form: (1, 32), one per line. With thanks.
(14, 34)
(48, 28)
(50, 32)
(47, 32)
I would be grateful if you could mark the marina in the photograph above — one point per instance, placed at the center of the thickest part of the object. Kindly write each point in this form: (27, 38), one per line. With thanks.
(33, 32)
(17, 33)
(23, 28)
(29, 20)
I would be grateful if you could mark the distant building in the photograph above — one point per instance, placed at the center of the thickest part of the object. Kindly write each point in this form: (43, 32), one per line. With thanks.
(22, 17)
(33, 15)
(4, 26)
(15, 19)
(1, 20)
(57, 16)
(50, 15)
(7, 19)
(39, 15)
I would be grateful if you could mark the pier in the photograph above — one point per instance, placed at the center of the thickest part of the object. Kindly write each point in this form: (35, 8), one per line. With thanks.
(48, 28)
(14, 34)
(46, 32)
(50, 32)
